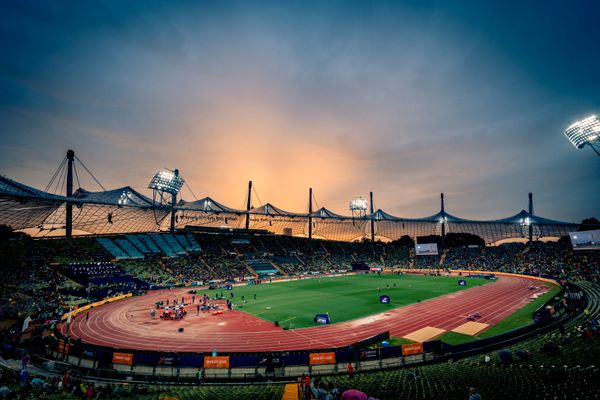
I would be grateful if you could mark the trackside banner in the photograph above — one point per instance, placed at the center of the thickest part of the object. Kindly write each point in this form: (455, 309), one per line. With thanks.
(322, 358)
(413, 348)
(216, 362)
(63, 347)
(122, 358)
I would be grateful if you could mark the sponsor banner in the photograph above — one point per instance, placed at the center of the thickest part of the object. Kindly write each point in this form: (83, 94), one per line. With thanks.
(61, 346)
(413, 348)
(368, 355)
(122, 358)
(165, 361)
(322, 319)
(322, 358)
(216, 362)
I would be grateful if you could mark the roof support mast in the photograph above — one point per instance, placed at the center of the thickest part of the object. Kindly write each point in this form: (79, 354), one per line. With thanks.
(443, 213)
(372, 217)
(310, 211)
(69, 205)
(530, 219)
(248, 205)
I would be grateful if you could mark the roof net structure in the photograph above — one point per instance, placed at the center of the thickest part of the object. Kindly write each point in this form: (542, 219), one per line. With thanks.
(125, 210)
(121, 210)
(24, 207)
(207, 213)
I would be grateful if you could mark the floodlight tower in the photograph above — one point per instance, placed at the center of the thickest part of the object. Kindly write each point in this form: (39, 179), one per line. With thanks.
(585, 132)
(170, 182)
(69, 205)
(358, 206)
(248, 205)
(443, 219)
(529, 224)
(372, 217)
(310, 211)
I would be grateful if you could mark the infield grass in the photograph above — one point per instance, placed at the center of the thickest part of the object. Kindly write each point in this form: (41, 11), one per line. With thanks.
(294, 303)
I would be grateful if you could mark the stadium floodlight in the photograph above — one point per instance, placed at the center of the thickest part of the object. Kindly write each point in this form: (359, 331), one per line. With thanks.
(585, 132)
(359, 204)
(359, 207)
(167, 181)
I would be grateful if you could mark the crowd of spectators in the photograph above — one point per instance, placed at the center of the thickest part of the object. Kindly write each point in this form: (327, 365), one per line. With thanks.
(552, 259)
(23, 385)
(44, 278)
(36, 285)
(502, 258)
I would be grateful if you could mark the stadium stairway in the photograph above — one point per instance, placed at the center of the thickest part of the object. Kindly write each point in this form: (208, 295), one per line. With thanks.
(331, 264)
(248, 267)
(278, 268)
(442, 258)
(207, 265)
(291, 392)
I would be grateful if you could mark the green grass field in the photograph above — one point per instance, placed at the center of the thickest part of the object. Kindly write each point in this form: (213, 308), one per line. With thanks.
(294, 304)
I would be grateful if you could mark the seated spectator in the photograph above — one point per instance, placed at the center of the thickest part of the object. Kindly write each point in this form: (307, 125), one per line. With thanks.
(473, 395)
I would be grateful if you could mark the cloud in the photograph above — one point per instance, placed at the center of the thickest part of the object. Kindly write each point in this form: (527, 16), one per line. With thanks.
(347, 98)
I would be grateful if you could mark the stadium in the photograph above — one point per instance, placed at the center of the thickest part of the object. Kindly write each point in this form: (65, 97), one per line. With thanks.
(127, 288)
(279, 200)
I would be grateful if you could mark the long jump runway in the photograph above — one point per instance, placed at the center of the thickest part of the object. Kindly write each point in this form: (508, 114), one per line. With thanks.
(126, 324)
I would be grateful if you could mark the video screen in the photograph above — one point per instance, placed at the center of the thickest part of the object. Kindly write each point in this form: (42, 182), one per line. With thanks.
(426, 249)
(585, 240)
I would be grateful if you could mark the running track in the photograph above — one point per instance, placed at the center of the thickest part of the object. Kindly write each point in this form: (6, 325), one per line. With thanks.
(126, 324)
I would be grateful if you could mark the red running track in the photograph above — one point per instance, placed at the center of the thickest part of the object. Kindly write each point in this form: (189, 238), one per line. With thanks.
(126, 324)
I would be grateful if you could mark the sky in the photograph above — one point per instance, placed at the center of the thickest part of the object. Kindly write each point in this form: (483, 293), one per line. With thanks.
(404, 99)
